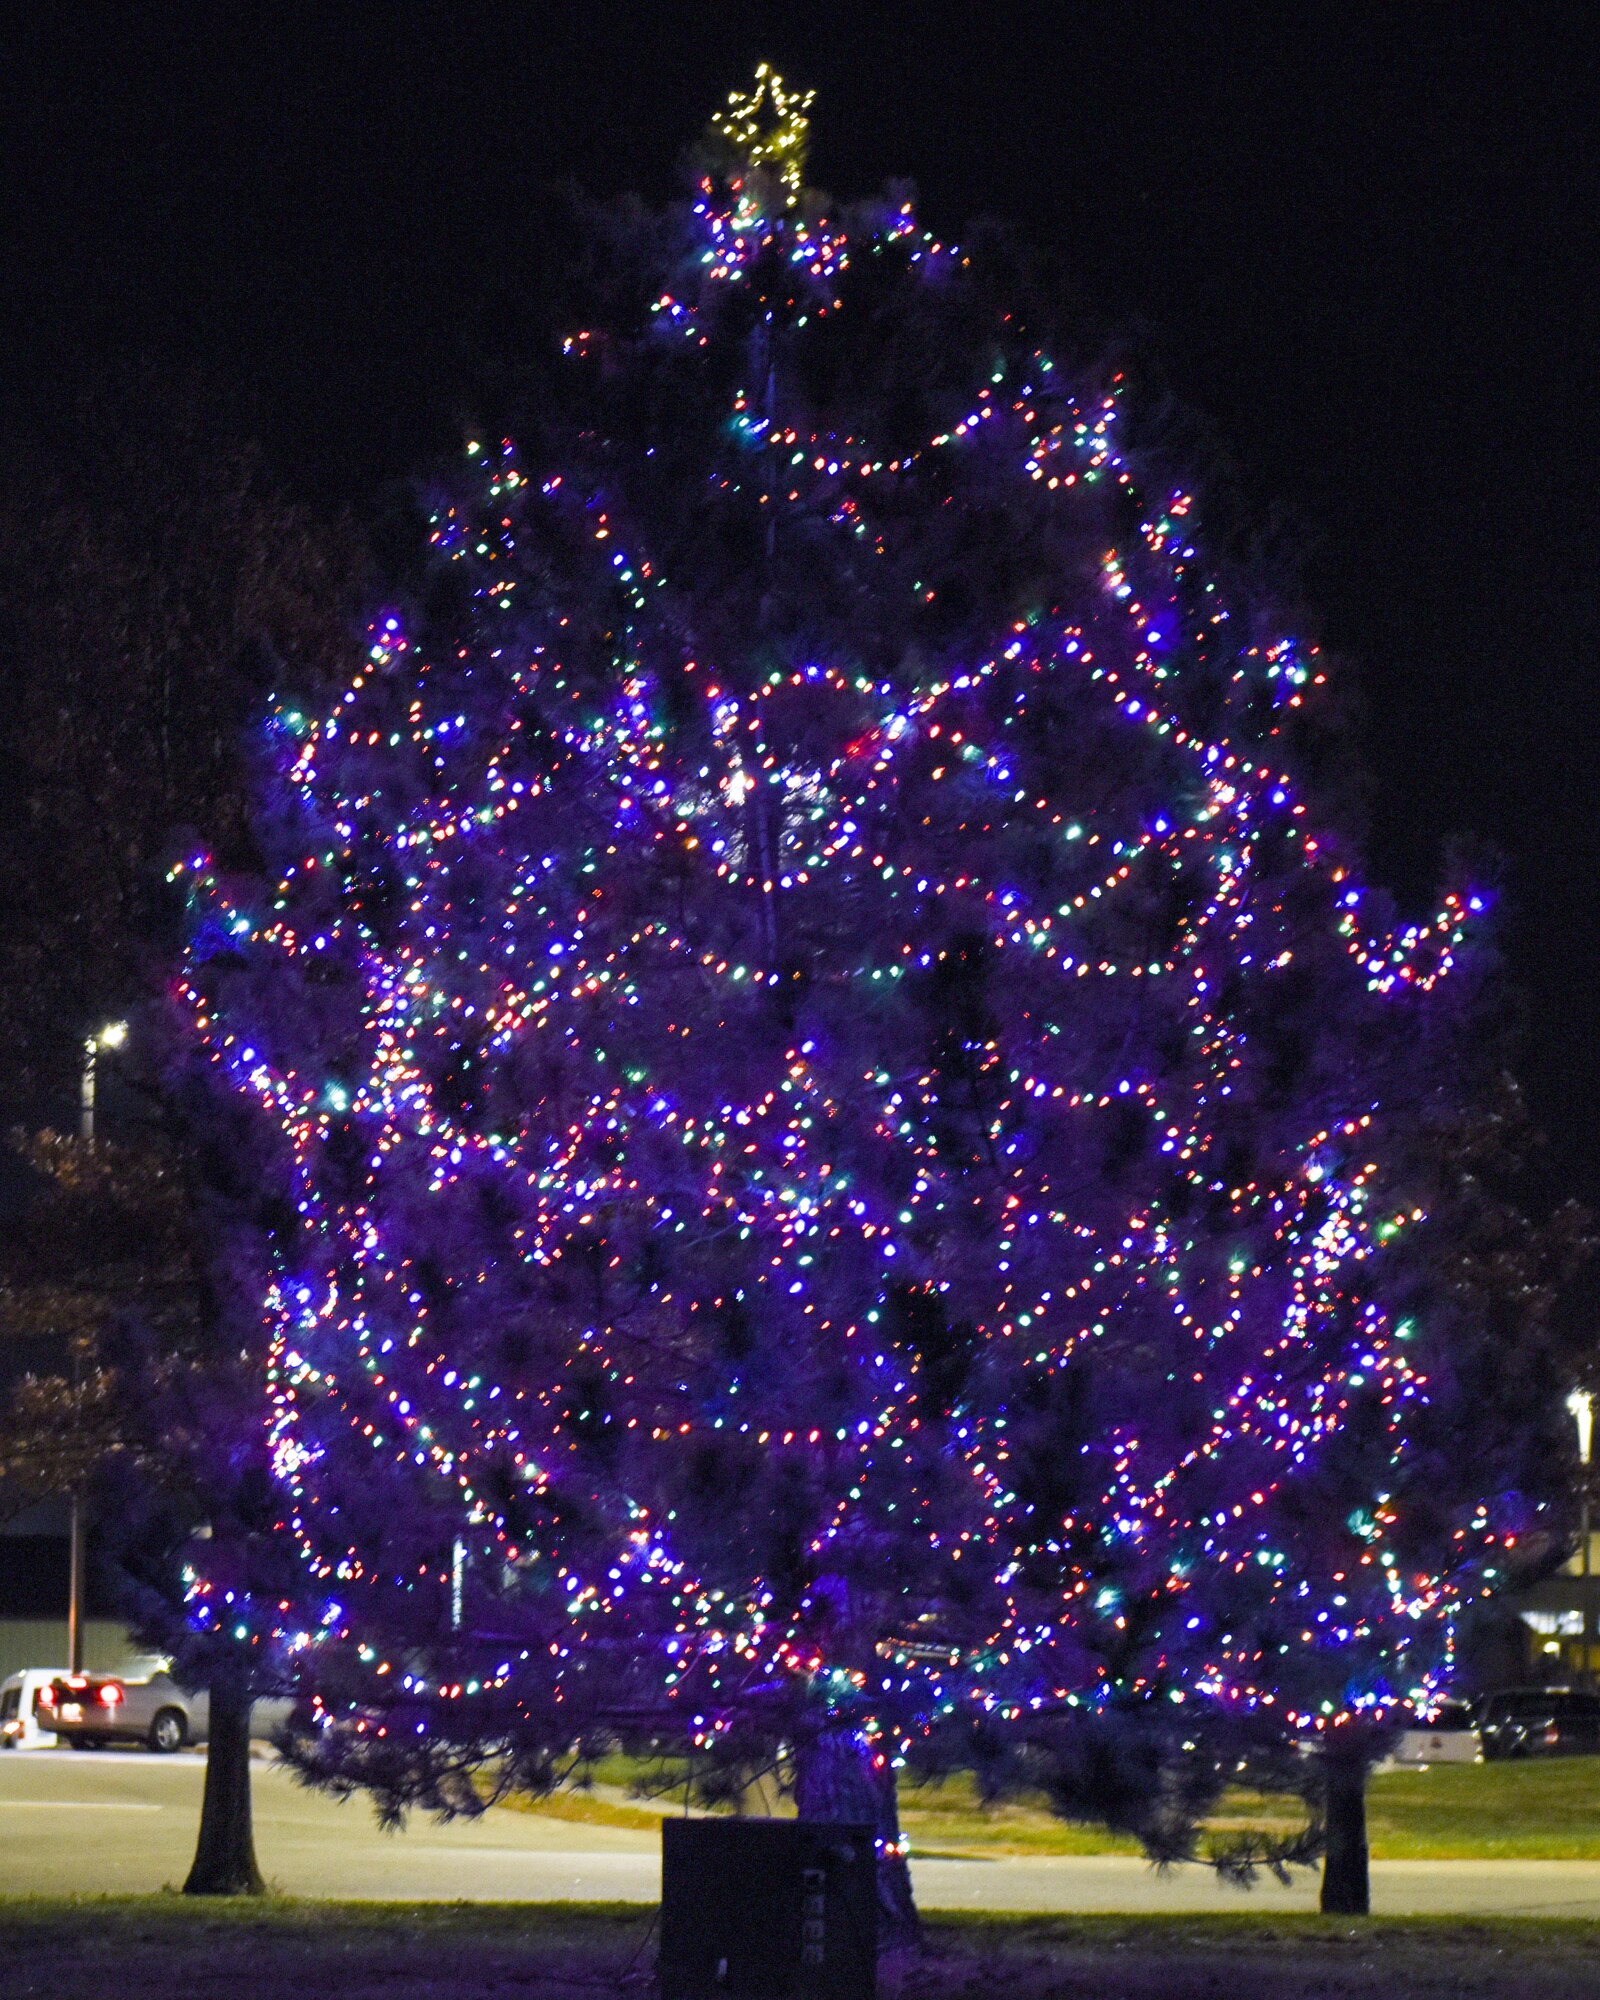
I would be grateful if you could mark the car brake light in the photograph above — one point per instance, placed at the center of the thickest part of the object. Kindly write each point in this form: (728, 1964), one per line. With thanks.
(110, 1694)
(47, 1698)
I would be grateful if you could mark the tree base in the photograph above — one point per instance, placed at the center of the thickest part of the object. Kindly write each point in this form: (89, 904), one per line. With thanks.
(225, 1854)
(1346, 1884)
(836, 1778)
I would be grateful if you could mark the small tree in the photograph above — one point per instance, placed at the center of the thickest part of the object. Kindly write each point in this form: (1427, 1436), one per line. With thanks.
(94, 1234)
(138, 1402)
(151, 580)
(206, 1580)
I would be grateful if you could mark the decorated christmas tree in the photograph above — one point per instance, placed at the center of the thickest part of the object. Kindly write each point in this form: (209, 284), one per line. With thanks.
(841, 1117)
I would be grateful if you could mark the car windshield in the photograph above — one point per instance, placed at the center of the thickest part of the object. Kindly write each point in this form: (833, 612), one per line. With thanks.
(1535, 1703)
(1519, 1705)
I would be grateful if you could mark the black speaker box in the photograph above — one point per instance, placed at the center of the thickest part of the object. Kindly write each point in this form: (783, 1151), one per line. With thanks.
(768, 1909)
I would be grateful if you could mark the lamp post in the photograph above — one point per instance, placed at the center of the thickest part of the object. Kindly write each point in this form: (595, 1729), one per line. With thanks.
(75, 1569)
(111, 1036)
(1581, 1405)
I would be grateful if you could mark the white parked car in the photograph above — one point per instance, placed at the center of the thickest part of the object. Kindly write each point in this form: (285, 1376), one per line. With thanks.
(1450, 1736)
(19, 1709)
(92, 1710)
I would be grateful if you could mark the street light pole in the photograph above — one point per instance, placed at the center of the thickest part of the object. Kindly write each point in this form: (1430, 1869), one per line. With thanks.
(1581, 1404)
(111, 1036)
(75, 1591)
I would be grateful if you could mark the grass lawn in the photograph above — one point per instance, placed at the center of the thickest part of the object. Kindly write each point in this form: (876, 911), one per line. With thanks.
(1547, 1809)
(152, 1948)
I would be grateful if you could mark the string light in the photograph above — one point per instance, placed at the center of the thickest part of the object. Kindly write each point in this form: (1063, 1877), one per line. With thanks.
(737, 1090)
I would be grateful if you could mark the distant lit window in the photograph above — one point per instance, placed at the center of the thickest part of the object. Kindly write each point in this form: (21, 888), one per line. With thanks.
(1555, 1624)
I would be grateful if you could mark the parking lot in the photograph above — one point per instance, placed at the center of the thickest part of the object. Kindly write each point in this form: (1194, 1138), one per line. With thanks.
(122, 1821)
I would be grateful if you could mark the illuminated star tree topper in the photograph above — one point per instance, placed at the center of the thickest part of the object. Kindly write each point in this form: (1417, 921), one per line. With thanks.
(767, 125)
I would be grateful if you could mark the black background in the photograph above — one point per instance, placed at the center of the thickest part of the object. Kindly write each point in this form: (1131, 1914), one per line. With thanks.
(1360, 241)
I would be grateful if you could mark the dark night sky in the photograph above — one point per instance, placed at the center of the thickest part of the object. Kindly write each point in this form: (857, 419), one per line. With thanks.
(1359, 240)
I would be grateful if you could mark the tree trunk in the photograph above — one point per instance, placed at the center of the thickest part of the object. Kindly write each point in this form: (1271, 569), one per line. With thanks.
(225, 1858)
(1346, 1891)
(837, 1778)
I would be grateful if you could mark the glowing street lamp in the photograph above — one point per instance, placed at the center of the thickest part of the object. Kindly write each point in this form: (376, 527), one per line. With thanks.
(111, 1036)
(1581, 1405)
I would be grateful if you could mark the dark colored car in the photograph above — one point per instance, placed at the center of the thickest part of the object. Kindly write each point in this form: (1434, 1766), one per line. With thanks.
(1540, 1722)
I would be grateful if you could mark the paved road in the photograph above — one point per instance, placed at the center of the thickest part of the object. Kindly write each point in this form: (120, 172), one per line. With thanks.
(125, 1822)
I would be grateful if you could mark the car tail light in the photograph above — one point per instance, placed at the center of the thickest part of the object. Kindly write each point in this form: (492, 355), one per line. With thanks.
(110, 1694)
(46, 1698)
